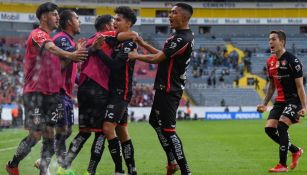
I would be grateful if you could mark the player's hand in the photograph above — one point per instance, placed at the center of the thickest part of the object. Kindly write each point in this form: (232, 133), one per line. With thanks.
(133, 55)
(261, 108)
(79, 55)
(98, 42)
(81, 43)
(302, 112)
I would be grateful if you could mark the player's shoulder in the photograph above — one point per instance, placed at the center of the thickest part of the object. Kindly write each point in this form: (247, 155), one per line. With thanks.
(109, 33)
(62, 40)
(290, 57)
(184, 35)
(39, 33)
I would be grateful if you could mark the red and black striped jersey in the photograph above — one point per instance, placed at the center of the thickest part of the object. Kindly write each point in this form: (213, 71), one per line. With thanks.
(171, 74)
(283, 72)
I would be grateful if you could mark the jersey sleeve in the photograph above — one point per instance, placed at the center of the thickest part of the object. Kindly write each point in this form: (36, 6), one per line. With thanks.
(39, 38)
(64, 43)
(110, 38)
(297, 68)
(128, 46)
(174, 46)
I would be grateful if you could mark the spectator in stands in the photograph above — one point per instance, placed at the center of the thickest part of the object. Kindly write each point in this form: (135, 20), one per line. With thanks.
(240, 109)
(237, 81)
(226, 108)
(223, 103)
(214, 81)
(221, 79)
(20, 115)
(257, 87)
(195, 116)
(15, 115)
(209, 81)
(188, 111)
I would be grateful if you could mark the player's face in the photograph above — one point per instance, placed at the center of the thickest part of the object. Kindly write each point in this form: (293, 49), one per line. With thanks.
(176, 17)
(75, 23)
(121, 24)
(52, 19)
(110, 26)
(275, 43)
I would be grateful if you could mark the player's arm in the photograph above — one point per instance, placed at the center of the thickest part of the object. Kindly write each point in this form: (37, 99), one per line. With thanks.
(172, 48)
(147, 46)
(123, 36)
(43, 40)
(78, 55)
(64, 43)
(297, 72)
(270, 92)
(150, 58)
(302, 95)
(113, 63)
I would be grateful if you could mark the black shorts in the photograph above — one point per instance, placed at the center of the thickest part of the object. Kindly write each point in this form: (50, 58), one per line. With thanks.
(40, 110)
(286, 109)
(92, 99)
(116, 108)
(163, 111)
(124, 120)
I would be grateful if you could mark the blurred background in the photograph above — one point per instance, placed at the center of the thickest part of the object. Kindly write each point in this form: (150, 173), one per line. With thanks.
(227, 72)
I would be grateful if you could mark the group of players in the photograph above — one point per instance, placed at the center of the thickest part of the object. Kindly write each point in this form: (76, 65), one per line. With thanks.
(104, 88)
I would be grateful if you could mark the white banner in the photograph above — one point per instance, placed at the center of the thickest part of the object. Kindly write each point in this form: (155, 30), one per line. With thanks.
(89, 20)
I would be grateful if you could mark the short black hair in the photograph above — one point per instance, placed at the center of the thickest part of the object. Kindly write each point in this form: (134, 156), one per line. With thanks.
(65, 15)
(127, 13)
(186, 7)
(45, 7)
(102, 21)
(281, 35)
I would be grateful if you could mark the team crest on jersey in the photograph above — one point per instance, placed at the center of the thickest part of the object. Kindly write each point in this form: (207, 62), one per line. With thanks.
(283, 62)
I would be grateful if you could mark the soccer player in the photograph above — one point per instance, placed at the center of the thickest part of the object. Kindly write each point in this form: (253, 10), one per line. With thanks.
(120, 85)
(286, 75)
(92, 97)
(169, 83)
(70, 26)
(92, 100)
(41, 88)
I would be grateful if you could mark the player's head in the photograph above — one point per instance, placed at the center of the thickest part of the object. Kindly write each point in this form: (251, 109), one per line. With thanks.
(180, 15)
(104, 23)
(47, 14)
(69, 20)
(277, 40)
(125, 18)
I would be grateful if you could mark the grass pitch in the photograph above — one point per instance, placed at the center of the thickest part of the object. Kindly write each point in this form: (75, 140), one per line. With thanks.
(236, 147)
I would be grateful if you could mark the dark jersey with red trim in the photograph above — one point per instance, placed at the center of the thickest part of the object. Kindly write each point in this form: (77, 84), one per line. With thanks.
(171, 74)
(283, 72)
(121, 75)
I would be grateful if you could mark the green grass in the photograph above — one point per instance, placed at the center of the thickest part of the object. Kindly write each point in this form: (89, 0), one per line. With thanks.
(211, 147)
